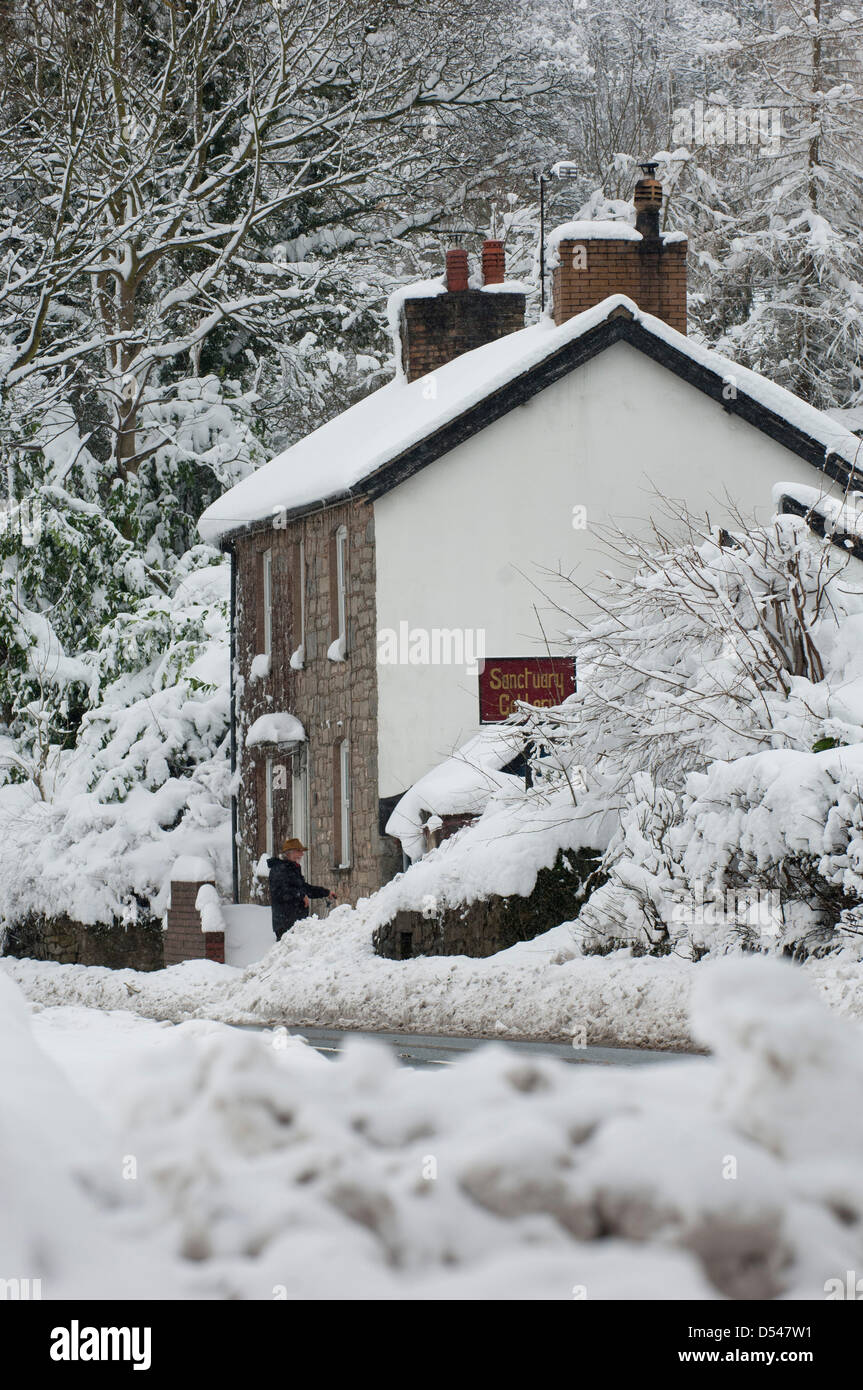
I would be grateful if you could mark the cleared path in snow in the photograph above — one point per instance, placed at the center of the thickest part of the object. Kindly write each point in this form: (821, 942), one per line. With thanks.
(427, 1049)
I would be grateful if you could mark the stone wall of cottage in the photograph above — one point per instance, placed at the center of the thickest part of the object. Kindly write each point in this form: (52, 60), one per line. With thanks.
(332, 699)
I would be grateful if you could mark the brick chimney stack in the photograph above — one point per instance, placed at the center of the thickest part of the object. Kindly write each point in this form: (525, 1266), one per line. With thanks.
(436, 328)
(601, 259)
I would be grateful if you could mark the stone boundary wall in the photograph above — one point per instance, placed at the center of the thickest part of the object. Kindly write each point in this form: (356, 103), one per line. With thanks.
(118, 946)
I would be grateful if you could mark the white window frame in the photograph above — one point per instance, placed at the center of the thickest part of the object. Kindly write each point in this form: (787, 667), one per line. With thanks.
(342, 583)
(267, 575)
(268, 809)
(345, 804)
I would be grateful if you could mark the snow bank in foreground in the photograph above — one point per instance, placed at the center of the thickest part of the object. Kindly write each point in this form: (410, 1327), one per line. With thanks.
(264, 1176)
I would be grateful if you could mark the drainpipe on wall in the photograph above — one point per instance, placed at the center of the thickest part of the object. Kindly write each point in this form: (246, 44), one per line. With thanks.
(235, 864)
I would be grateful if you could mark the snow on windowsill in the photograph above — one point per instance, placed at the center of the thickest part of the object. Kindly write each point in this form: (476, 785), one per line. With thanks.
(337, 651)
(298, 658)
(260, 667)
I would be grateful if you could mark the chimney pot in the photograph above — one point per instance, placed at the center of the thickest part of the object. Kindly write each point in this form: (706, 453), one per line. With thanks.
(493, 262)
(456, 269)
(648, 203)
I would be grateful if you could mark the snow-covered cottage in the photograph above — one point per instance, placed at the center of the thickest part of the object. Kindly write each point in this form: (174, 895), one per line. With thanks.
(379, 560)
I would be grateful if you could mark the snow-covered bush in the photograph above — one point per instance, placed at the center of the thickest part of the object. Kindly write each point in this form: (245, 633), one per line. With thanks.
(714, 672)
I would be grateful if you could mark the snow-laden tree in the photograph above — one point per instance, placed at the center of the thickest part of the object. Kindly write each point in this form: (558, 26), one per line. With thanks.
(158, 157)
(754, 113)
(718, 716)
(202, 206)
(92, 829)
(780, 216)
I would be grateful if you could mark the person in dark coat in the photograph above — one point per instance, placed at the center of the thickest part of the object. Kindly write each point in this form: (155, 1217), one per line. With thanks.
(289, 892)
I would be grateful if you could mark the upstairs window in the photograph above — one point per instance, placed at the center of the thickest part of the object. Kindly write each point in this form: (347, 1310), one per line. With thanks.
(339, 595)
(298, 606)
(265, 641)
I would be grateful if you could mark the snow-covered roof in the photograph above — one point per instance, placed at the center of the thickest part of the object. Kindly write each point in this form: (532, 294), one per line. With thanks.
(849, 416)
(341, 457)
(840, 520)
(460, 785)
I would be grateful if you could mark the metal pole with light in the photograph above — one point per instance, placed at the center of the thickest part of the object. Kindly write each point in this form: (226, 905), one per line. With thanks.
(563, 169)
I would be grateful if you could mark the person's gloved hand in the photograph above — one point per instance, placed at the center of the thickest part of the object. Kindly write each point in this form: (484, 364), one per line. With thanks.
(306, 902)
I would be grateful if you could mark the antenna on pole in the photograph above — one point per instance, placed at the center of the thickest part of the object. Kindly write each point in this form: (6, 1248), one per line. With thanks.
(561, 169)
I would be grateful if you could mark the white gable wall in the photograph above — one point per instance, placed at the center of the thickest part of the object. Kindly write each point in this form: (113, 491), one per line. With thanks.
(464, 543)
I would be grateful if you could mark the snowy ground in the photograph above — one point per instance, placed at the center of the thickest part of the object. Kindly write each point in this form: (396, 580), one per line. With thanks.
(325, 973)
(141, 1159)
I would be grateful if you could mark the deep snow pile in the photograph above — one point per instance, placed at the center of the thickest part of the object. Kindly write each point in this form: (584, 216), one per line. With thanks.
(324, 973)
(262, 1175)
(148, 778)
(460, 785)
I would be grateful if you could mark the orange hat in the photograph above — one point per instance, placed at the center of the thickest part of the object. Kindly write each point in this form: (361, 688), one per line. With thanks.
(288, 845)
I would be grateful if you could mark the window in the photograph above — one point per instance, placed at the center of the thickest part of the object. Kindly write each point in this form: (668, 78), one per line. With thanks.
(264, 785)
(268, 807)
(342, 804)
(300, 819)
(298, 607)
(301, 593)
(339, 594)
(267, 599)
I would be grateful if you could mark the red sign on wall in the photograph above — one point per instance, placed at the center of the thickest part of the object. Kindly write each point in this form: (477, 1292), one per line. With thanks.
(539, 680)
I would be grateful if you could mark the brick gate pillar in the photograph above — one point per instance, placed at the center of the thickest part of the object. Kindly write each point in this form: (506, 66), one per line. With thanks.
(185, 935)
